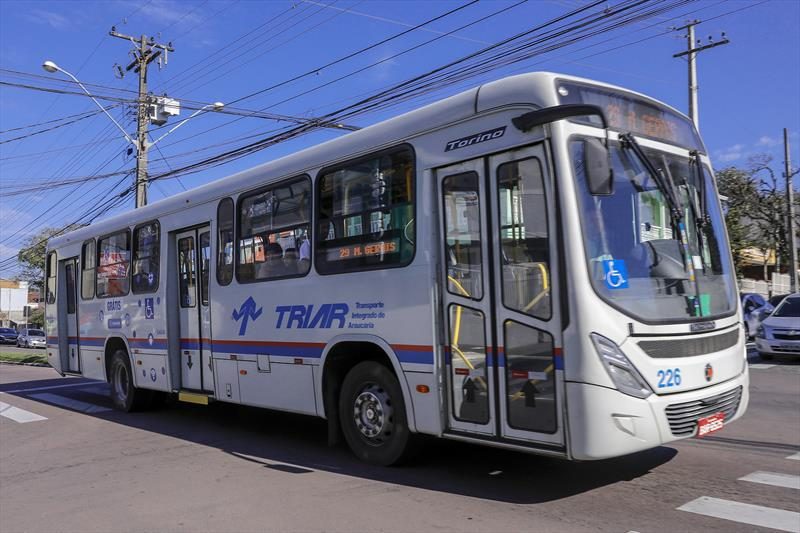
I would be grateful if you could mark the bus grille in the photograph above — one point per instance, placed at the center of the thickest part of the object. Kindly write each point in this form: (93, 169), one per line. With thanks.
(690, 347)
(683, 417)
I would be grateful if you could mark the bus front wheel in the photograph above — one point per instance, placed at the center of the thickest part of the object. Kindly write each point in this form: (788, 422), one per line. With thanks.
(373, 414)
(124, 395)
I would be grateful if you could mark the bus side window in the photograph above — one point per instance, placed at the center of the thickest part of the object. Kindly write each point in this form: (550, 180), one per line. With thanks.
(88, 262)
(51, 278)
(273, 225)
(365, 213)
(113, 263)
(146, 243)
(225, 241)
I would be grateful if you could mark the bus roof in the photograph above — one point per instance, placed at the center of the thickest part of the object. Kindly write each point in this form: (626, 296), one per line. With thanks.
(535, 88)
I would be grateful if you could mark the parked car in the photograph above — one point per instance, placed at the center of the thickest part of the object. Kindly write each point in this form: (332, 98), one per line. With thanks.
(776, 299)
(8, 336)
(32, 338)
(755, 309)
(779, 333)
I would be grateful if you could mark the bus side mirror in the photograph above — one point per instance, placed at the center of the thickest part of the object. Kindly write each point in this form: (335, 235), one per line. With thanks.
(599, 175)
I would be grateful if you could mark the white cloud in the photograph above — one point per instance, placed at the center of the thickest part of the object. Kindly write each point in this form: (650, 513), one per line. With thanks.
(49, 18)
(766, 140)
(170, 12)
(730, 154)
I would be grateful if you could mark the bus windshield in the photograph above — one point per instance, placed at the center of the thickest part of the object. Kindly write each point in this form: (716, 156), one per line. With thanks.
(652, 262)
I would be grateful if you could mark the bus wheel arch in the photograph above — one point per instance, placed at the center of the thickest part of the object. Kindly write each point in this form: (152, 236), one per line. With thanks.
(343, 355)
(125, 396)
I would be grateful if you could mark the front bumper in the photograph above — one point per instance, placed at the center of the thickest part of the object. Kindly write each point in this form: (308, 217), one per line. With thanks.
(778, 347)
(607, 423)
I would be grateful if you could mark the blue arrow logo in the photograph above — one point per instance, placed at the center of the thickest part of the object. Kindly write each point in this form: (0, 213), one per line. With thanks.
(247, 312)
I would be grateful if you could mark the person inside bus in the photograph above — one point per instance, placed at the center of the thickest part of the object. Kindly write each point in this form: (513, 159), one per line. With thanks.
(290, 264)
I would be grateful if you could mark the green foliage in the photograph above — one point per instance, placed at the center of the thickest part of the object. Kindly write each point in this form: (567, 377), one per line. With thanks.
(31, 256)
(756, 210)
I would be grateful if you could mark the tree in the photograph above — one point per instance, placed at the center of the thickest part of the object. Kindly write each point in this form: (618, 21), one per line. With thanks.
(31, 256)
(739, 190)
(756, 210)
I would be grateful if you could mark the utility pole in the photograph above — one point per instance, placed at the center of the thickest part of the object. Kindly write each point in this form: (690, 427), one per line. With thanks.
(145, 51)
(692, 50)
(790, 212)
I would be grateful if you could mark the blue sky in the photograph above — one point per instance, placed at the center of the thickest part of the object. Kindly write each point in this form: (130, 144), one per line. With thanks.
(226, 49)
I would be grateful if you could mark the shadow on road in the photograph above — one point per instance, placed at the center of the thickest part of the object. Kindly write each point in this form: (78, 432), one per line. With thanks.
(297, 445)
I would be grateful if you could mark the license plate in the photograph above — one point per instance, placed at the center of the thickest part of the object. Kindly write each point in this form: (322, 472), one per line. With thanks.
(710, 424)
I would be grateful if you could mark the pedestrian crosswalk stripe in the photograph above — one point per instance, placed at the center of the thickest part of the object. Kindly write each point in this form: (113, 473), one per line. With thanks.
(773, 478)
(796, 456)
(761, 366)
(70, 403)
(18, 415)
(754, 515)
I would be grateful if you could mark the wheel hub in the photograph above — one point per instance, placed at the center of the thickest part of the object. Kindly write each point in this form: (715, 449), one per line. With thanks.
(121, 383)
(373, 413)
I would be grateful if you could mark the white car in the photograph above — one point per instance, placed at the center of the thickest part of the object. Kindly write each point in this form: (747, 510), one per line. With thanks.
(31, 338)
(779, 333)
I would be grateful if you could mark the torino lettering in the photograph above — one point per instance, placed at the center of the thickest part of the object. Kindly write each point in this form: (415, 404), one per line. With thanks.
(475, 139)
(305, 317)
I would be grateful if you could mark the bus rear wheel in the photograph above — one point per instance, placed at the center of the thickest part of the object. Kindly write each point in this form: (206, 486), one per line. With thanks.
(373, 414)
(124, 395)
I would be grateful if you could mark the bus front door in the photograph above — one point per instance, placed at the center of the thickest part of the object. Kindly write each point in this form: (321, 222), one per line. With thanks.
(503, 328)
(193, 255)
(71, 308)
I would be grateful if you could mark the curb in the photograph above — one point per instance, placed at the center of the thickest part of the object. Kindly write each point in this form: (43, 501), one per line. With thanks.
(18, 363)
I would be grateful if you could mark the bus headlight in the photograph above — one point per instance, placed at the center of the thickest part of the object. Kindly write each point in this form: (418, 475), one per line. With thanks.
(624, 375)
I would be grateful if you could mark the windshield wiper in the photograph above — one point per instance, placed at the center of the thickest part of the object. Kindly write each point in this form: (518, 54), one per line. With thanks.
(664, 185)
(667, 188)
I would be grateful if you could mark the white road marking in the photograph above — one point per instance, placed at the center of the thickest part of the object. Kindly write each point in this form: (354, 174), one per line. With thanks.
(18, 415)
(773, 478)
(70, 403)
(745, 513)
(17, 391)
(761, 366)
(795, 457)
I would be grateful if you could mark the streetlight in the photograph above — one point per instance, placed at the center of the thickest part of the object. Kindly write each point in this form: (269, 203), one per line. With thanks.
(141, 144)
(216, 106)
(51, 67)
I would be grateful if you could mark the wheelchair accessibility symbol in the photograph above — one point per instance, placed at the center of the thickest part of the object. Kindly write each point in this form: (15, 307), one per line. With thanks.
(616, 274)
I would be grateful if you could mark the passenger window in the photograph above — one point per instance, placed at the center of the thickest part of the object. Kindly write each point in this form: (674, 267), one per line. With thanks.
(146, 242)
(69, 272)
(366, 214)
(187, 272)
(113, 262)
(88, 262)
(205, 263)
(225, 241)
(530, 378)
(51, 278)
(468, 365)
(274, 232)
(462, 222)
(524, 240)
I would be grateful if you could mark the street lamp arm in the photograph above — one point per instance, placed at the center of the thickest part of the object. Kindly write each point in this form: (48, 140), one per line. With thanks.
(49, 66)
(216, 106)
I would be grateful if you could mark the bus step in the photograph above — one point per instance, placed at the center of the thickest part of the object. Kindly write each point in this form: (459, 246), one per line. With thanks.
(193, 397)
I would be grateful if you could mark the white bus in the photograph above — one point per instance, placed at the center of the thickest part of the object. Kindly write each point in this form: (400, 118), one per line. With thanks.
(539, 264)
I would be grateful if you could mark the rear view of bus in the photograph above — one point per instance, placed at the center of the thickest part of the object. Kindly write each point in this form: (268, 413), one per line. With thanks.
(652, 303)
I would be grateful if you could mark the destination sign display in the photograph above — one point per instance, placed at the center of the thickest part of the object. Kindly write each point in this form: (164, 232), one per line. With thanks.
(630, 114)
(371, 249)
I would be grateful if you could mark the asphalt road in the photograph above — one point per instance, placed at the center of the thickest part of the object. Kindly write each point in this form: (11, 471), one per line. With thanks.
(81, 466)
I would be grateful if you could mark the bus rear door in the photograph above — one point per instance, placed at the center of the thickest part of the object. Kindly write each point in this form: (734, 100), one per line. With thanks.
(193, 255)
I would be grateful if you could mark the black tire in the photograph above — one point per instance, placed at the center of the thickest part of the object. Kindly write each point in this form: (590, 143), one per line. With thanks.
(124, 395)
(373, 414)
